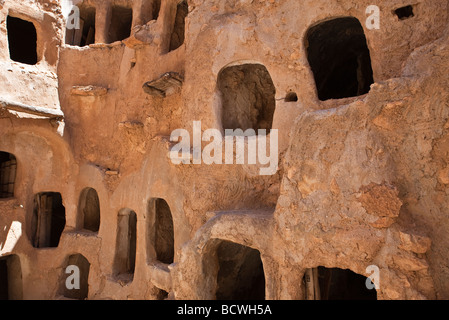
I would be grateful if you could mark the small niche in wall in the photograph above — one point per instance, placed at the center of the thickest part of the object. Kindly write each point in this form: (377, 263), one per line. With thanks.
(291, 97)
(125, 250)
(89, 210)
(22, 40)
(161, 230)
(404, 13)
(248, 97)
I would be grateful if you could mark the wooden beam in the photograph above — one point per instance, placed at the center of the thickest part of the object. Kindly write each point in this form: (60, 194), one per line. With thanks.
(37, 111)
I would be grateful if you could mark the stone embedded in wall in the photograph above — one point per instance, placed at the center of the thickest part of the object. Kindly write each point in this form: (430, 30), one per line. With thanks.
(141, 36)
(443, 176)
(381, 201)
(414, 243)
(409, 262)
(165, 85)
(88, 91)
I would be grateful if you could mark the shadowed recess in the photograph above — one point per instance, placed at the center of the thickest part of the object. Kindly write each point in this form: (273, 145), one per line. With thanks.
(240, 275)
(340, 59)
(22, 40)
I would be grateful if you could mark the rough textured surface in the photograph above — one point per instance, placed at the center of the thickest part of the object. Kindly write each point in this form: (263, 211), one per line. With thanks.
(362, 180)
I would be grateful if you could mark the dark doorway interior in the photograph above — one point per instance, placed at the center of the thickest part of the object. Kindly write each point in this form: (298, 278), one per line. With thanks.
(240, 275)
(340, 59)
(121, 23)
(337, 284)
(8, 170)
(164, 237)
(48, 221)
(22, 40)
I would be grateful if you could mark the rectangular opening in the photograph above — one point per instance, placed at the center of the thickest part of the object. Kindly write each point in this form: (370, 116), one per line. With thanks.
(125, 254)
(121, 23)
(8, 168)
(22, 40)
(85, 34)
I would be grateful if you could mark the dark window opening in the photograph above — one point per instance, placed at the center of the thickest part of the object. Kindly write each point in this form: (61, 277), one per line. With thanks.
(291, 97)
(164, 233)
(336, 284)
(240, 275)
(340, 59)
(121, 23)
(178, 34)
(8, 169)
(125, 255)
(89, 210)
(405, 12)
(85, 35)
(48, 220)
(22, 39)
(83, 265)
(156, 7)
(248, 97)
(10, 278)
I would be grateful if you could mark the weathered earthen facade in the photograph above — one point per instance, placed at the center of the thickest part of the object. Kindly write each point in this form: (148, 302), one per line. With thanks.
(86, 178)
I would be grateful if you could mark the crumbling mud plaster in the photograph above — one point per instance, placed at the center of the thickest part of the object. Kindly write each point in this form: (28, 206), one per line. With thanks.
(363, 149)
